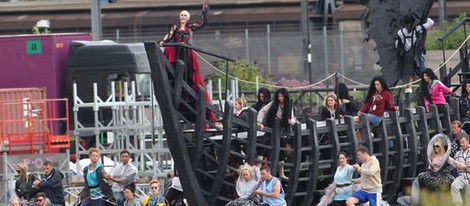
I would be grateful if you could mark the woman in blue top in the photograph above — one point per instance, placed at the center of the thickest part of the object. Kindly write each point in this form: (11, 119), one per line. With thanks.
(96, 191)
(339, 191)
(343, 180)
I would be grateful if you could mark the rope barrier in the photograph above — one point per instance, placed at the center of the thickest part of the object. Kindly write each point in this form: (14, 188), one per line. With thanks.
(331, 75)
(264, 84)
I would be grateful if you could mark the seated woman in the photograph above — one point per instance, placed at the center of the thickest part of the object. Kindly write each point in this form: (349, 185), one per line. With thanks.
(264, 97)
(247, 183)
(339, 191)
(153, 198)
(330, 108)
(440, 164)
(465, 101)
(131, 200)
(345, 101)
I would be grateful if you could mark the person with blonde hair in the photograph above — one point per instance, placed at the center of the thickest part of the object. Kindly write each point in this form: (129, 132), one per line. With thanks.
(331, 108)
(154, 199)
(241, 112)
(247, 183)
(24, 187)
(14, 202)
(181, 33)
(438, 176)
(96, 191)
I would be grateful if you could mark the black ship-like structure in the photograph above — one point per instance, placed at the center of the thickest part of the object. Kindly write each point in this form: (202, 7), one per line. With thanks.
(202, 157)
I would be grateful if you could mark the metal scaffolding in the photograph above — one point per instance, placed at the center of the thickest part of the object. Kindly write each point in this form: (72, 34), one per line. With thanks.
(128, 126)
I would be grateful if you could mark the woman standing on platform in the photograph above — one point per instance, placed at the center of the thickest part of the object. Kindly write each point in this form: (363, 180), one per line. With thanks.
(181, 33)
(331, 109)
(281, 108)
(433, 91)
(96, 191)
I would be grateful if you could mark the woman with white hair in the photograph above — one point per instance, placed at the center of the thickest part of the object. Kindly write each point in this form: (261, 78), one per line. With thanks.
(181, 33)
(247, 183)
(24, 187)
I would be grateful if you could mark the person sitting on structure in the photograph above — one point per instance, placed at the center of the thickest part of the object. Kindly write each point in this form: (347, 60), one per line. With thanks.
(346, 102)
(438, 176)
(271, 190)
(248, 181)
(341, 189)
(463, 166)
(264, 97)
(125, 173)
(464, 101)
(131, 199)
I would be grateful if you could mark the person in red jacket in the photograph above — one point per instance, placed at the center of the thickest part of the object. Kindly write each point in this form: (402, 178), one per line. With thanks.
(379, 99)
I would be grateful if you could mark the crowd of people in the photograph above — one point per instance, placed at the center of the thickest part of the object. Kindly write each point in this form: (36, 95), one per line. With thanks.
(100, 189)
(449, 160)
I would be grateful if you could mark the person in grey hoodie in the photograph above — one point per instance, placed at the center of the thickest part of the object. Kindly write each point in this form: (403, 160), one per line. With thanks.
(51, 184)
(371, 183)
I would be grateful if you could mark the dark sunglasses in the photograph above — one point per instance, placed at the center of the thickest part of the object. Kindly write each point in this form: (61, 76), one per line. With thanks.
(18, 171)
(436, 146)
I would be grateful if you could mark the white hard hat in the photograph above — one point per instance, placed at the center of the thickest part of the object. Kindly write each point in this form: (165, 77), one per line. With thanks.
(43, 24)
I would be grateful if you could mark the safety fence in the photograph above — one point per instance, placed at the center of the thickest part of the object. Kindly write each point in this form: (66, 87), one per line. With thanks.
(33, 126)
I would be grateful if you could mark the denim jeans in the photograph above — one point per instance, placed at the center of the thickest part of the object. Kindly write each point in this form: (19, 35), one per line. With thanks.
(119, 196)
(374, 120)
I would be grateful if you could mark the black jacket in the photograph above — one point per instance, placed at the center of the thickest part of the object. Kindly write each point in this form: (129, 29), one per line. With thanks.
(105, 187)
(25, 189)
(52, 186)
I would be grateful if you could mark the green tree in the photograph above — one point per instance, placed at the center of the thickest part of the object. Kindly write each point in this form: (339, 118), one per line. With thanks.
(451, 42)
(243, 71)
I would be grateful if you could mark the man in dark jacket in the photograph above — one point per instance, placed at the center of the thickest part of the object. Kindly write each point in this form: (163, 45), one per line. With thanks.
(51, 184)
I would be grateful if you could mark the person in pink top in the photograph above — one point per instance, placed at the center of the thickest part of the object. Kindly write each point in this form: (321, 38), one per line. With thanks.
(378, 99)
(433, 90)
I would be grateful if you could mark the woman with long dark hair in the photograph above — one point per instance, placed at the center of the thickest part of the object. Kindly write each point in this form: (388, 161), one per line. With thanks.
(345, 101)
(465, 101)
(433, 90)
(280, 107)
(378, 99)
(264, 97)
